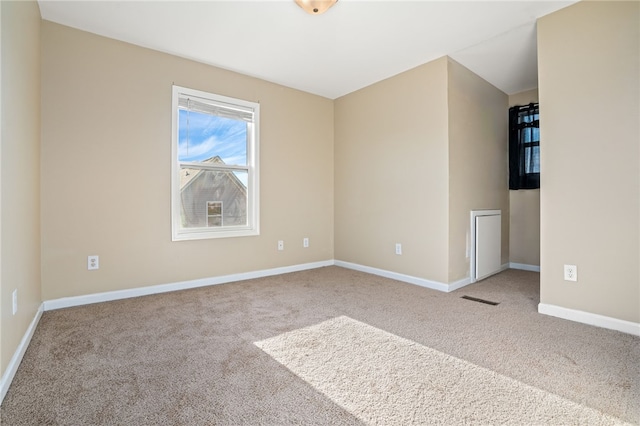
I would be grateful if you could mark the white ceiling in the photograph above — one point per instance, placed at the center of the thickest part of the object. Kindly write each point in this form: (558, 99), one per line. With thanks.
(354, 44)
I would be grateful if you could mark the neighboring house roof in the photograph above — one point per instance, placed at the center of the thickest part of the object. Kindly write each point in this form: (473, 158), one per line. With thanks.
(198, 187)
(187, 176)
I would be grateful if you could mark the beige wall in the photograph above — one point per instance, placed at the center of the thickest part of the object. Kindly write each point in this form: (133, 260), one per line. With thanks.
(524, 205)
(478, 164)
(588, 57)
(391, 174)
(106, 157)
(20, 172)
(414, 154)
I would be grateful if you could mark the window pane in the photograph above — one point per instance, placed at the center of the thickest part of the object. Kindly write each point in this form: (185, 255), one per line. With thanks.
(535, 134)
(528, 117)
(214, 221)
(214, 208)
(536, 160)
(532, 159)
(204, 137)
(529, 135)
(227, 190)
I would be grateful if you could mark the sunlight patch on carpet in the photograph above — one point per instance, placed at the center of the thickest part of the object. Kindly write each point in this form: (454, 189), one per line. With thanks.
(382, 378)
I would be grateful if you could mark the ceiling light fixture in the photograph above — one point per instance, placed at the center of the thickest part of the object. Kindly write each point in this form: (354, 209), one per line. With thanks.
(316, 7)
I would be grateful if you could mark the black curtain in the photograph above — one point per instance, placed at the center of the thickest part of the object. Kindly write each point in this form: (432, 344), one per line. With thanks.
(524, 147)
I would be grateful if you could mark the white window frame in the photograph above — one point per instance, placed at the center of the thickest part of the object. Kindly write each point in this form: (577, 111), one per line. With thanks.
(253, 184)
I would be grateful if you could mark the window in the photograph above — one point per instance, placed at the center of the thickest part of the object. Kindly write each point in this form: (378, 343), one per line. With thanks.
(214, 167)
(524, 147)
(214, 213)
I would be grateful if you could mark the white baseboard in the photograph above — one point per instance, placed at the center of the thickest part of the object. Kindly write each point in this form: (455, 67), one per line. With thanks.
(590, 319)
(12, 368)
(67, 302)
(459, 284)
(524, 267)
(434, 285)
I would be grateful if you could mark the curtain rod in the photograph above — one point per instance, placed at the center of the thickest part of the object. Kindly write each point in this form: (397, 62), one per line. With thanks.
(531, 105)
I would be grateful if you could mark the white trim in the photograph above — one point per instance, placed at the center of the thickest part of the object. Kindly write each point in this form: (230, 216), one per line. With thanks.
(252, 228)
(434, 285)
(503, 268)
(524, 267)
(590, 318)
(472, 234)
(459, 284)
(12, 368)
(67, 302)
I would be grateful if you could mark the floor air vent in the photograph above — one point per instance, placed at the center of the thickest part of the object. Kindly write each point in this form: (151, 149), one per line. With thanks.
(475, 299)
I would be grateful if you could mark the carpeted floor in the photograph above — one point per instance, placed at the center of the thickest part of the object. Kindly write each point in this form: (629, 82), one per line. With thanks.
(325, 346)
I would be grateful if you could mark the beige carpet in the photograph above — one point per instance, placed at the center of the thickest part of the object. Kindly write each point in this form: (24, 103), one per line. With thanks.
(383, 379)
(223, 355)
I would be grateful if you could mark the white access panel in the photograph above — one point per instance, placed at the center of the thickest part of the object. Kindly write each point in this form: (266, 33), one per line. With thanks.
(487, 245)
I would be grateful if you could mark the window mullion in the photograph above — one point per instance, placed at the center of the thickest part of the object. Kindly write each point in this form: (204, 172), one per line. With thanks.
(213, 167)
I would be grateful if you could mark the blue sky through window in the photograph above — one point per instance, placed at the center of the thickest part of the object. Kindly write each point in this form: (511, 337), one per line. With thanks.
(202, 136)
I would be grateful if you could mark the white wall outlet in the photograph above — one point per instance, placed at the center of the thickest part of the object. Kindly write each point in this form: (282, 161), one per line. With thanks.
(398, 248)
(305, 242)
(280, 245)
(570, 273)
(14, 296)
(93, 262)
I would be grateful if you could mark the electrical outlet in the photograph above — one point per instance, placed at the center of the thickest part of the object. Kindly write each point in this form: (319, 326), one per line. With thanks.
(14, 296)
(93, 262)
(280, 245)
(305, 242)
(570, 273)
(398, 248)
